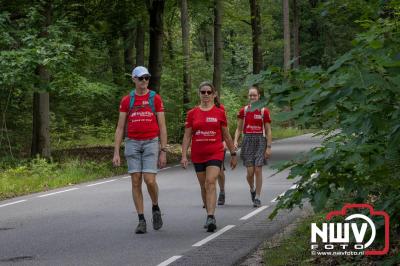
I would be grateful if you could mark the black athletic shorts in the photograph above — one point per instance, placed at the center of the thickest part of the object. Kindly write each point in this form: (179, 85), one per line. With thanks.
(201, 167)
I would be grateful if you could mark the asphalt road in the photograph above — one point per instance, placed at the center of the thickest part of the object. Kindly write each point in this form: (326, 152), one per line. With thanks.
(93, 223)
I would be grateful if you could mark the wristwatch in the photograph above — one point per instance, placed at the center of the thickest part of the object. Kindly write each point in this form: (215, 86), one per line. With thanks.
(268, 146)
(233, 153)
(163, 149)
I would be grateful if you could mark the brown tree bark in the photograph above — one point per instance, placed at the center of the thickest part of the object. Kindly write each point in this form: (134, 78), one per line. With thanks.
(156, 12)
(116, 51)
(256, 35)
(139, 44)
(41, 102)
(286, 35)
(296, 38)
(187, 84)
(218, 46)
(128, 50)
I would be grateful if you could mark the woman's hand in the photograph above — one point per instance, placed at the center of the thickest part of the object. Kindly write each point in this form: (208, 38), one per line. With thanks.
(184, 162)
(236, 145)
(267, 153)
(234, 162)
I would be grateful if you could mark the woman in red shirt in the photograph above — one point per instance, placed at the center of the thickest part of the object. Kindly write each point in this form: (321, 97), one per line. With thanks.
(206, 127)
(256, 145)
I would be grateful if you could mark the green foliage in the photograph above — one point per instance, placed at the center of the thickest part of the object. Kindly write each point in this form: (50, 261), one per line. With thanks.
(41, 175)
(356, 103)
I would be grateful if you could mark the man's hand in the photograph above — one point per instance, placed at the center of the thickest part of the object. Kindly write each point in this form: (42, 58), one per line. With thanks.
(116, 160)
(162, 160)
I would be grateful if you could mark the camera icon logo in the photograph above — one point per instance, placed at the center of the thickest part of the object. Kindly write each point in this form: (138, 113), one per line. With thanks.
(335, 236)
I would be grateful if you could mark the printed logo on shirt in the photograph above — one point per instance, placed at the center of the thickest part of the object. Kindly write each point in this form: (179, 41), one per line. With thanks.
(254, 128)
(257, 116)
(211, 119)
(145, 103)
(142, 114)
(209, 133)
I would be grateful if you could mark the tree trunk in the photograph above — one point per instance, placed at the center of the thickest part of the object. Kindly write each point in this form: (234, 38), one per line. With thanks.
(41, 123)
(41, 102)
(156, 11)
(217, 75)
(256, 36)
(139, 44)
(186, 53)
(116, 59)
(286, 36)
(128, 50)
(296, 40)
(170, 36)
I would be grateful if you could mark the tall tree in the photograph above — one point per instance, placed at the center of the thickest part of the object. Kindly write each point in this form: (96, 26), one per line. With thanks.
(156, 12)
(41, 101)
(218, 45)
(256, 35)
(296, 41)
(286, 35)
(186, 52)
(139, 44)
(128, 36)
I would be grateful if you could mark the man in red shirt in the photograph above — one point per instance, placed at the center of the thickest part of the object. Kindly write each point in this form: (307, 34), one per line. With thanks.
(142, 120)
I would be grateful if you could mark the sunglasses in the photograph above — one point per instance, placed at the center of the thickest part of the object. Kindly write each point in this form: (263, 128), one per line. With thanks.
(206, 92)
(143, 78)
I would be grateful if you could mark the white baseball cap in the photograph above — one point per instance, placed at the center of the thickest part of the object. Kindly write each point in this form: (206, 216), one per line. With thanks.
(140, 71)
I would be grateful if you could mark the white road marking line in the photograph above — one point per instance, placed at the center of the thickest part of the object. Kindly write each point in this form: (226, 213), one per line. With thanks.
(283, 193)
(211, 237)
(95, 184)
(168, 261)
(11, 203)
(254, 212)
(125, 177)
(276, 199)
(50, 194)
(165, 168)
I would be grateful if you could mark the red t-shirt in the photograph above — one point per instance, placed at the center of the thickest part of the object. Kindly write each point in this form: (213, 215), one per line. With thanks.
(206, 133)
(253, 124)
(142, 122)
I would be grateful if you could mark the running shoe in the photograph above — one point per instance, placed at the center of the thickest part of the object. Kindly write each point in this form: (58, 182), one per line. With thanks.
(253, 195)
(141, 228)
(211, 224)
(157, 220)
(221, 198)
(257, 203)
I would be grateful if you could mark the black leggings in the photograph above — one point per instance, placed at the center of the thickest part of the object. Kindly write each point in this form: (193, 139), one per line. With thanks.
(201, 167)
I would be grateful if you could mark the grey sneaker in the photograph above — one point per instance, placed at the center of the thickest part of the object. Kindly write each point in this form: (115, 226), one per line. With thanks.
(141, 228)
(157, 220)
(221, 198)
(257, 203)
(205, 225)
(211, 224)
(253, 195)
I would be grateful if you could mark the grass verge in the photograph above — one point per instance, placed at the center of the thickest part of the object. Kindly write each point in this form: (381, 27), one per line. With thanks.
(40, 175)
(76, 165)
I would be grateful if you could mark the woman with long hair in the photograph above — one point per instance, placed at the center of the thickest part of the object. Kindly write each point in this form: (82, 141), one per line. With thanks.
(206, 128)
(256, 145)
